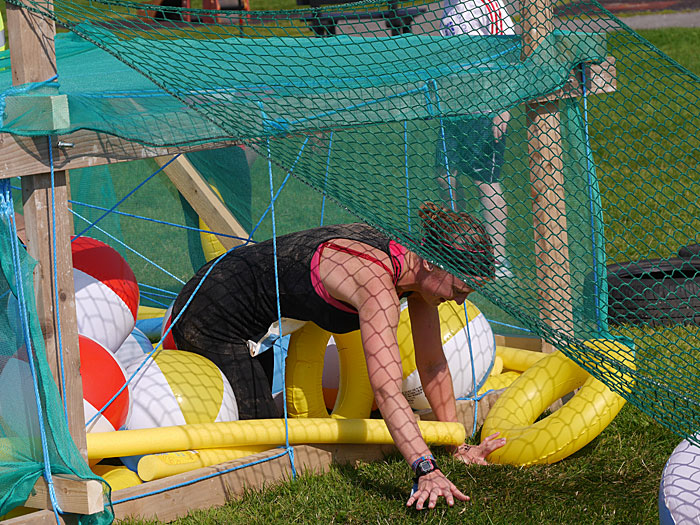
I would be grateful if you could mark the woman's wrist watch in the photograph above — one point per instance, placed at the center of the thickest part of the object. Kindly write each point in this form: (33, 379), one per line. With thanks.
(423, 467)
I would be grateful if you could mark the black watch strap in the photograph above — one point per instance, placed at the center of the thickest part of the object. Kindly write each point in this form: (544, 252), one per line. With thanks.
(425, 466)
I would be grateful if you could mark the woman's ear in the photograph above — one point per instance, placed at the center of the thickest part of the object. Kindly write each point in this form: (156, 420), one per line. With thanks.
(429, 267)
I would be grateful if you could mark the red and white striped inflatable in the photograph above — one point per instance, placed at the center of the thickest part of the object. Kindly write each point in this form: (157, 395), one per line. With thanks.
(106, 292)
(102, 376)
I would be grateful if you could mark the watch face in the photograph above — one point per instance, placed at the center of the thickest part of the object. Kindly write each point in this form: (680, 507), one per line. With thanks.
(425, 466)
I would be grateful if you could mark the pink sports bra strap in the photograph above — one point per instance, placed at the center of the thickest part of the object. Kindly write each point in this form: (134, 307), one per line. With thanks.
(356, 253)
(398, 253)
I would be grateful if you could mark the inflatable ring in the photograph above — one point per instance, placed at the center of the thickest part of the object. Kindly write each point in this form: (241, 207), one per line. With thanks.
(307, 347)
(680, 485)
(304, 373)
(568, 429)
(517, 359)
(499, 381)
(497, 366)
(304, 370)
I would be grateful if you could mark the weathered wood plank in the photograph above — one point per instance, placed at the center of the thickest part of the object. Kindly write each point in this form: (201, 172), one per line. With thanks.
(547, 186)
(187, 492)
(32, 52)
(203, 200)
(74, 495)
(600, 79)
(21, 156)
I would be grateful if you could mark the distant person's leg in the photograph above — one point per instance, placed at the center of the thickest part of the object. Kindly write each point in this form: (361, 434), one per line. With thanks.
(495, 213)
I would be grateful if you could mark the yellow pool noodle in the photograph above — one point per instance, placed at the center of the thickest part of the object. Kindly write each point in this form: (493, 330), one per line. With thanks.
(157, 466)
(118, 477)
(518, 359)
(259, 432)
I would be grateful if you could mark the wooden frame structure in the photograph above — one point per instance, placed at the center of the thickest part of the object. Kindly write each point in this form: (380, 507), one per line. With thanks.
(31, 39)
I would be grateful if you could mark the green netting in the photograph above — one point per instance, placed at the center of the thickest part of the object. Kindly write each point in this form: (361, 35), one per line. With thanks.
(32, 433)
(361, 118)
(167, 255)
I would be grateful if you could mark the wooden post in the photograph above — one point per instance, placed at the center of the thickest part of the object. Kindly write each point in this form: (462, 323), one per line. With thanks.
(32, 52)
(547, 187)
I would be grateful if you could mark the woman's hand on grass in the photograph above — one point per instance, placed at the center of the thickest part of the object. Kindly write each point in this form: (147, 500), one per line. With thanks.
(431, 487)
(478, 453)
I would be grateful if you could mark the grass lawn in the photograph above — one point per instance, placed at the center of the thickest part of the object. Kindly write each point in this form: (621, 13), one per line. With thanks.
(614, 480)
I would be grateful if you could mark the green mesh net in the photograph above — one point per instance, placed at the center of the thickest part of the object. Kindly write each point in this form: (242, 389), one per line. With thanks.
(34, 436)
(594, 208)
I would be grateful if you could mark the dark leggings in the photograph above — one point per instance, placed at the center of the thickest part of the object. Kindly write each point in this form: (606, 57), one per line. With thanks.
(250, 377)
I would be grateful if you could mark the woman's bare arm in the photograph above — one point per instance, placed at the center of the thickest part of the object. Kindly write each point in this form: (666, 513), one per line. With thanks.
(430, 359)
(369, 288)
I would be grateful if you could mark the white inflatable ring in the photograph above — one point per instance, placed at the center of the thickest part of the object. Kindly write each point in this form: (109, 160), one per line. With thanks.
(568, 429)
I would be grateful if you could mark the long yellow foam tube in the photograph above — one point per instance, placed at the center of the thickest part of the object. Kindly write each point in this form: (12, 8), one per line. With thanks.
(518, 359)
(157, 466)
(118, 477)
(259, 432)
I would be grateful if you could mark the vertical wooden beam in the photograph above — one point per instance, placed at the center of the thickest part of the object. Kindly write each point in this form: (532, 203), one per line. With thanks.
(32, 53)
(547, 186)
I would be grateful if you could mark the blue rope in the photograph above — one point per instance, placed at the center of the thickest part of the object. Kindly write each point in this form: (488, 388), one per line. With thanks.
(157, 221)
(408, 190)
(159, 303)
(510, 326)
(443, 142)
(6, 204)
(158, 346)
(126, 196)
(166, 293)
(471, 358)
(129, 248)
(278, 342)
(600, 283)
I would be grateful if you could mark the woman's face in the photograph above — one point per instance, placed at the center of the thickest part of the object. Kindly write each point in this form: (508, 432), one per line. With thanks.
(439, 286)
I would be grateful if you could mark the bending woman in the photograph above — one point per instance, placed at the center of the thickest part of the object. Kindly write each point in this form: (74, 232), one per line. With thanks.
(342, 278)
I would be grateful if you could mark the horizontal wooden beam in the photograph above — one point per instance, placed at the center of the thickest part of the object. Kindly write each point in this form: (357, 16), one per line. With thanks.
(600, 78)
(186, 492)
(524, 343)
(74, 495)
(21, 156)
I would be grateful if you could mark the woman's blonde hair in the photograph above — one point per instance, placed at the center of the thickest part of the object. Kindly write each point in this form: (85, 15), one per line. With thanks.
(457, 238)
